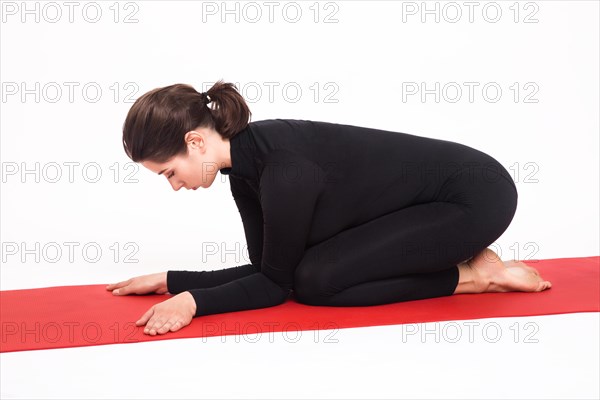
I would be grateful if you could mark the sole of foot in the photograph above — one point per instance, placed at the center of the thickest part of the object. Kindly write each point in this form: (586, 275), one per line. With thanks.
(506, 276)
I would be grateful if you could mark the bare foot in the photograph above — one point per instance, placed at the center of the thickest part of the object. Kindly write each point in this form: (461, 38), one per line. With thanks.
(493, 275)
(528, 279)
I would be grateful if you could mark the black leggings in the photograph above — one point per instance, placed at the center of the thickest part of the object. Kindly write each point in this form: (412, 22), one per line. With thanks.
(411, 253)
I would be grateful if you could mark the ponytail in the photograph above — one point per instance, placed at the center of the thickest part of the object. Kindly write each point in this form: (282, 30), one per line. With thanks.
(156, 124)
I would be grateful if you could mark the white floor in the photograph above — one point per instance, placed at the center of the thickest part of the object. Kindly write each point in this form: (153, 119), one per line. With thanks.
(555, 356)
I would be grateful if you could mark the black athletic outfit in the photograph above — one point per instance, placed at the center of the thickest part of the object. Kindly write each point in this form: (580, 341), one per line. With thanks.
(351, 216)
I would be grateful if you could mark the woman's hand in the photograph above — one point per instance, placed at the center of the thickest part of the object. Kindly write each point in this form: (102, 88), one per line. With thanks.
(153, 283)
(170, 315)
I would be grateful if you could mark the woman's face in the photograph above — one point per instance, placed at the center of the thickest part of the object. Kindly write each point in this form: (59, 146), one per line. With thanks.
(196, 169)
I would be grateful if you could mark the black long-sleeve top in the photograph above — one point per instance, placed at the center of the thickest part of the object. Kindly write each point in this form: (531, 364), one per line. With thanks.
(297, 183)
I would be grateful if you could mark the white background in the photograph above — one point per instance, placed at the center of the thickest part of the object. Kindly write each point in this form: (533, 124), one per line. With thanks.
(352, 62)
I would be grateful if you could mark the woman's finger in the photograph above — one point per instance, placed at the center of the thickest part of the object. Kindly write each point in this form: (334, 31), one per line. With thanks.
(156, 322)
(145, 317)
(114, 286)
(168, 326)
(123, 290)
(176, 326)
(127, 288)
(118, 284)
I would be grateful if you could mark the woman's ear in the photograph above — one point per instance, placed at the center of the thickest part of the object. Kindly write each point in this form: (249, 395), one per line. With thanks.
(195, 139)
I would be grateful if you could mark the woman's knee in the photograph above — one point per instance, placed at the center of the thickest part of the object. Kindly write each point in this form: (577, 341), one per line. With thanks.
(311, 285)
(506, 209)
(506, 191)
(494, 215)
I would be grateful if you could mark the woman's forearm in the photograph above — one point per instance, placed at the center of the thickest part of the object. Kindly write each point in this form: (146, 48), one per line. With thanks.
(180, 281)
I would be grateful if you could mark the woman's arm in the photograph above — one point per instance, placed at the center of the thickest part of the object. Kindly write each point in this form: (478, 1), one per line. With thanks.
(289, 189)
(290, 186)
(180, 281)
(251, 214)
(246, 293)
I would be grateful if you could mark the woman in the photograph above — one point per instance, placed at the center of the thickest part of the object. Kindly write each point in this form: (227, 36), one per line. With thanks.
(337, 214)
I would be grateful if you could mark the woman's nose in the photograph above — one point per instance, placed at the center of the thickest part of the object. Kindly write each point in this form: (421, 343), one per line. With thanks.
(176, 186)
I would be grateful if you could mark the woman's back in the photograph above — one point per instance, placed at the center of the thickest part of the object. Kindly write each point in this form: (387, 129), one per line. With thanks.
(365, 173)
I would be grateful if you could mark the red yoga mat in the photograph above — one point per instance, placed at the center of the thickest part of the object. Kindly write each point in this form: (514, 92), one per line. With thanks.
(74, 316)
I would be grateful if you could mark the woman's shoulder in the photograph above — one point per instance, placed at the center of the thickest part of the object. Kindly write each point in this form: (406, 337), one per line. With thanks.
(281, 122)
(311, 127)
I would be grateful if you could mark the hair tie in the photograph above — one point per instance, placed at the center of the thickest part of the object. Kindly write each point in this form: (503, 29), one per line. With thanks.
(206, 98)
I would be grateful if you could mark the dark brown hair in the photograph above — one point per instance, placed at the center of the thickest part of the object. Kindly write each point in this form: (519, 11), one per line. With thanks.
(157, 122)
